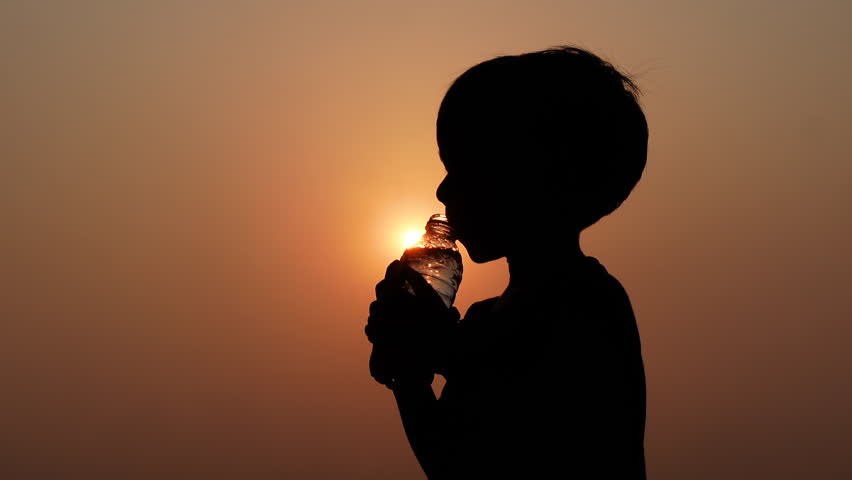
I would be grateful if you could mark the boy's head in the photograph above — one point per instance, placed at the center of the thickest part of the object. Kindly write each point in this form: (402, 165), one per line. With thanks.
(536, 145)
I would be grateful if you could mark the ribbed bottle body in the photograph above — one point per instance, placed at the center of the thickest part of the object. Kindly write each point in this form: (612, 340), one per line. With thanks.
(436, 257)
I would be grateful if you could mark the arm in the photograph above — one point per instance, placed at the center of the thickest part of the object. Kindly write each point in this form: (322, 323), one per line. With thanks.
(411, 336)
(418, 409)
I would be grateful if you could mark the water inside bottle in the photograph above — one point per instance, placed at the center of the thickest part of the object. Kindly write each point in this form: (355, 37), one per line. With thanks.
(441, 267)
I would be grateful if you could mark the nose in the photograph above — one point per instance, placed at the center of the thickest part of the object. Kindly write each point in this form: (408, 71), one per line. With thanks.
(442, 193)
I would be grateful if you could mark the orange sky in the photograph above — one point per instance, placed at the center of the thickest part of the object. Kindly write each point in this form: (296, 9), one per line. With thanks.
(197, 202)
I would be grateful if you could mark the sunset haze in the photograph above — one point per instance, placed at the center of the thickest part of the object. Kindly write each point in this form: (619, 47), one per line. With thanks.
(198, 199)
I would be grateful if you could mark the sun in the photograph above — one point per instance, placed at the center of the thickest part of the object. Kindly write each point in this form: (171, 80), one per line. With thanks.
(411, 237)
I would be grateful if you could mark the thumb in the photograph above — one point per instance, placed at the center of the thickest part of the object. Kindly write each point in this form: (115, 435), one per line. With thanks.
(421, 287)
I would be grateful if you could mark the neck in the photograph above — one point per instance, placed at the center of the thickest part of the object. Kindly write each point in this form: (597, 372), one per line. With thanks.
(536, 265)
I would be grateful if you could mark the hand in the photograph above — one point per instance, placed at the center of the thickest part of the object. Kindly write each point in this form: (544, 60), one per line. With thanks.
(410, 333)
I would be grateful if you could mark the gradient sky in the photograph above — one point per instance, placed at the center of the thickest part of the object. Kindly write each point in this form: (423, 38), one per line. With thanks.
(198, 198)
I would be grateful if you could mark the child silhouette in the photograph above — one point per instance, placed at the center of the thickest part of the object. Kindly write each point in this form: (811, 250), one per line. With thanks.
(547, 379)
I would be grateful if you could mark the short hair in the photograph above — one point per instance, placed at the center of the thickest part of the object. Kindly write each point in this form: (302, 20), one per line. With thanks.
(569, 113)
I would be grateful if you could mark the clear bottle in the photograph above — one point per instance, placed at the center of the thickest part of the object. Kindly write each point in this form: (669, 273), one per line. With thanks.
(436, 256)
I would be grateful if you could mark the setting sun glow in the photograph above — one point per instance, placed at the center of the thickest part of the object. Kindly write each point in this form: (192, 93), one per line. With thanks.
(411, 237)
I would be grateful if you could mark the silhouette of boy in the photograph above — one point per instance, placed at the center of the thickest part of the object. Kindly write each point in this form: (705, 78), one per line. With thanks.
(546, 380)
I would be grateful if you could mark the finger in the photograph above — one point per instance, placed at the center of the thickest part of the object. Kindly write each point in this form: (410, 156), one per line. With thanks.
(376, 307)
(378, 330)
(382, 328)
(391, 288)
(393, 269)
(394, 307)
(373, 336)
(421, 287)
(379, 374)
(382, 368)
(392, 281)
(388, 288)
(383, 289)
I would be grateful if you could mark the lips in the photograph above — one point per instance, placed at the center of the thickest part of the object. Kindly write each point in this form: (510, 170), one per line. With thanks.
(452, 219)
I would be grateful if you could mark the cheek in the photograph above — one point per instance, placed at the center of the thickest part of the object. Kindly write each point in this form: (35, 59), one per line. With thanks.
(481, 222)
(483, 205)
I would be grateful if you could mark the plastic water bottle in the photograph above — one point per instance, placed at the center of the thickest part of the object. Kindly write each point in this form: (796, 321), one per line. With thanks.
(436, 256)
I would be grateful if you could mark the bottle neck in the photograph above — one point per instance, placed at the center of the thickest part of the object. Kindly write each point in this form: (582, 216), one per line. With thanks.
(440, 229)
